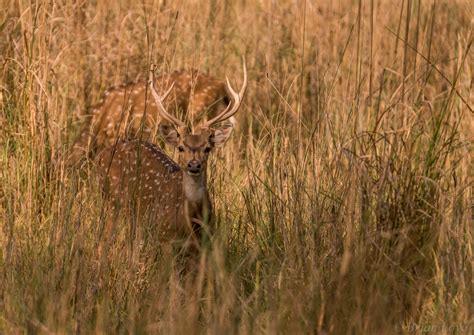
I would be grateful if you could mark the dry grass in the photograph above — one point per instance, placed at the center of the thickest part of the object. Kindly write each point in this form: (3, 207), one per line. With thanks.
(344, 199)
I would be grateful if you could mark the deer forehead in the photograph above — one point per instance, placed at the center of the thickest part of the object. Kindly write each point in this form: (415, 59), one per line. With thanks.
(196, 141)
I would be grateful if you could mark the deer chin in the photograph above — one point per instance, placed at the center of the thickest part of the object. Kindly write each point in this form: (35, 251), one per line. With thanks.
(193, 175)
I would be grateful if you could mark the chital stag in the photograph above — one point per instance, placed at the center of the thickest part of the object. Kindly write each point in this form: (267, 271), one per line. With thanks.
(171, 195)
(127, 111)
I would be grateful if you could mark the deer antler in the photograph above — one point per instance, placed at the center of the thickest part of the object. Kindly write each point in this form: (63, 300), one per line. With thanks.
(235, 103)
(159, 100)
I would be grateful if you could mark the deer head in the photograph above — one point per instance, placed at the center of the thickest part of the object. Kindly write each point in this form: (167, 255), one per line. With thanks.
(195, 144)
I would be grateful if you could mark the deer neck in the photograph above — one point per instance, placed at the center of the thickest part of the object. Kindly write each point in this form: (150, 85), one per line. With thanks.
(197, 208)
(195, 189)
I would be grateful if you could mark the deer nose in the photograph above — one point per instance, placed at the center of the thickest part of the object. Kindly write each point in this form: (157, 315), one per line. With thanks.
(194, 166)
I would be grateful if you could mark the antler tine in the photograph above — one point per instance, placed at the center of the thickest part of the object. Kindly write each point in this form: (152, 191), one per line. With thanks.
(236, 100)
(159, 100)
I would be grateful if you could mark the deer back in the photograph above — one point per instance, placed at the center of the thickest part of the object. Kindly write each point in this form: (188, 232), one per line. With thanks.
(129, 111)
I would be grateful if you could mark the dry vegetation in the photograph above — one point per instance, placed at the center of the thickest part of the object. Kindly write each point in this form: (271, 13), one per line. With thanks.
(344, 198)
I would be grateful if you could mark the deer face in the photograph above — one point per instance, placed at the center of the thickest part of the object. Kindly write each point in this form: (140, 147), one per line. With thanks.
(194, 148)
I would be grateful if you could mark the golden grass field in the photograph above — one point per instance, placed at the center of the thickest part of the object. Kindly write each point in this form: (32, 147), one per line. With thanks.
(343, 199)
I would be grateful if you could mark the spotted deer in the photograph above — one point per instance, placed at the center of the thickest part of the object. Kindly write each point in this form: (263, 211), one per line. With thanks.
(127, 111)
(172, 196)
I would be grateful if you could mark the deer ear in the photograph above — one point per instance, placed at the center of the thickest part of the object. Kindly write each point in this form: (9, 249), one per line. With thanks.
(221, 135)
(169, 134)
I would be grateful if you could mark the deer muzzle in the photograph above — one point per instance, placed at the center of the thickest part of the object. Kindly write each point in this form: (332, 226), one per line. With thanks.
(194, 167)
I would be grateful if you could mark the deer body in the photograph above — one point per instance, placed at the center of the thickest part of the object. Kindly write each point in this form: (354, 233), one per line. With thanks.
(170, 195)
(128, 111)
(143, 180)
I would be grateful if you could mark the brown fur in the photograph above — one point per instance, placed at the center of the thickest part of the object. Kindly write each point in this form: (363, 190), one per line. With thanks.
(142, 180)
(129, 111)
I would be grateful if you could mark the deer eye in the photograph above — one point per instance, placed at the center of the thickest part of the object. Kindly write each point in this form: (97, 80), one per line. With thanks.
(180, 148)
(207, 150)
